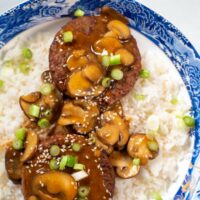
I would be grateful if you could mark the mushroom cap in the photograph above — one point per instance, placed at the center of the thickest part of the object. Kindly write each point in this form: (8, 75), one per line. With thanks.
(138, 148)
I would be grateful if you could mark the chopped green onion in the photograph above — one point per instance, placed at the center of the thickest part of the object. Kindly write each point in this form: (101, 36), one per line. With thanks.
(83, 191)
(79, 166)
(47, 112)
(67, 36)
(79, 13)
(106, 61)
(9, 63)
(1, 84)
(53, 164)
(139, 97)
(46, 88)
(136, 161)
(27, 53)
(54, 150)
(43, 123)
(76, 147)
(144, 73)
(115, 59)
(20, 134)
(152, 146)
(18, 144)
(71, 161)
(189, 121)
(34, 110)
(63, 163)
(117, 74)
(174, 101)
(151, 134)
(106, 82)
(156, 196)
(24, 68)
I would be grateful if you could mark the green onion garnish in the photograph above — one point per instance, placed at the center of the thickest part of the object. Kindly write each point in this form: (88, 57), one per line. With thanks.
(144, 73)
(47, 112)
(139, 97)
(83, 191)
(189, 121)
(71, 161)
(1, 84)
(79, 13)
(174, 101)
(43, 123)
(156, 196)
(24, 68)
(117, 74)
(79, 166)
(136, 161)
(53, 164)
(20, 134)
(63, 163)
(18, 144)
(76, 147)
(54, 150)
(46, 88)
(27, 53)
(106, 61)
(34, 110)
(67, 36)
(115, 59)
(152, 146)
(106, 82)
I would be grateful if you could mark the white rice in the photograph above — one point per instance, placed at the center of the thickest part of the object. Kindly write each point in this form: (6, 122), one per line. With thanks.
(155, 113)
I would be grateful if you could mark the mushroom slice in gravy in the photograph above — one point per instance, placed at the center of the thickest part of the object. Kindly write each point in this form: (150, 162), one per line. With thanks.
(38, 179)
(81, 114)
(124, 164)
(142, 147)
(114, 129)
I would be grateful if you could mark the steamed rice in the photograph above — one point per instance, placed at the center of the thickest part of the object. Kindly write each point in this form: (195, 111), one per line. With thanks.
(154, 114)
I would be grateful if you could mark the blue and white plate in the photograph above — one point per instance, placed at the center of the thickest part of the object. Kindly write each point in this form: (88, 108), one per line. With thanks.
(151, 25)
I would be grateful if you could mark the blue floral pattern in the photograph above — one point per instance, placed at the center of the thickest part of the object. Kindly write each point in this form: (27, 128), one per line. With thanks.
(142, 19)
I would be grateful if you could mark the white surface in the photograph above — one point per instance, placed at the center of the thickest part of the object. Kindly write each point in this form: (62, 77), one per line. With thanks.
(184, 14)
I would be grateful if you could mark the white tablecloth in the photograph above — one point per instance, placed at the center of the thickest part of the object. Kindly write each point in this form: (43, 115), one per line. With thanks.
(184, 14)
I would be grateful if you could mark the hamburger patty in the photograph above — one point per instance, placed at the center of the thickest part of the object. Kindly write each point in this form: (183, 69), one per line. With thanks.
(86, 31)
(101, 178)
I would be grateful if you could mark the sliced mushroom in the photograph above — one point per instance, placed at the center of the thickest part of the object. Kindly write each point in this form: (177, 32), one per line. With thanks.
(111, 34)
(71, 114)
(78, 84)
(109, 134)
(138, 147)
(51, 103)
(109, 44)
(13, 164)
(78, 59)
(30, 147)
(124, 165)
(81, 114)
(32, 97)
(120, 28)
(114, 130)
(93, 72)
(128, 172)
(107, 148)
(26, 100)
(126, 56)
(54, 185)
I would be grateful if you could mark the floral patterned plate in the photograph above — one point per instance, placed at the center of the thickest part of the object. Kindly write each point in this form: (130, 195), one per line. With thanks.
(154, 27)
